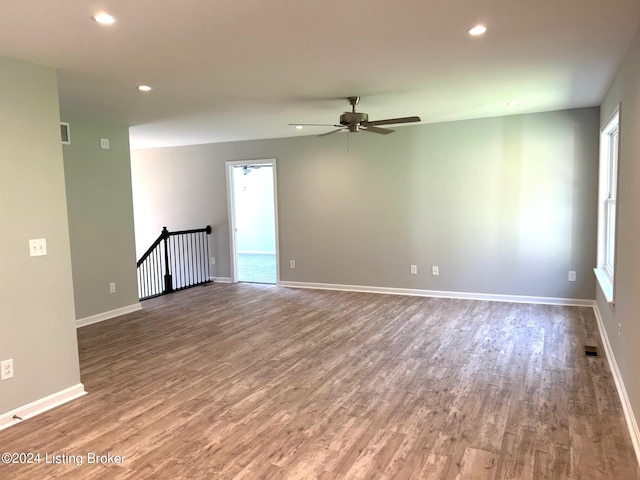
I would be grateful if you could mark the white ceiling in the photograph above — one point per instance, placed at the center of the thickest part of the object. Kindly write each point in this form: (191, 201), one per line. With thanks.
(225, 70)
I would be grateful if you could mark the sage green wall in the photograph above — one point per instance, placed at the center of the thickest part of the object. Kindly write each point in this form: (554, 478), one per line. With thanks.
(99, 202)
(502, 205)
(625, 90)
(37, 317)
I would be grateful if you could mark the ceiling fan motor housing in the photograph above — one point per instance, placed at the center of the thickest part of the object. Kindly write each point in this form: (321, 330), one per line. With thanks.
(353, 120)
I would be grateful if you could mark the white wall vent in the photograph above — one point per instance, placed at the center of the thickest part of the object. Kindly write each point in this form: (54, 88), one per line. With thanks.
(65, 134)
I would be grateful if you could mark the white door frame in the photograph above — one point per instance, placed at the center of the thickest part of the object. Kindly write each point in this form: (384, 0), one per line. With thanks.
(232, 214)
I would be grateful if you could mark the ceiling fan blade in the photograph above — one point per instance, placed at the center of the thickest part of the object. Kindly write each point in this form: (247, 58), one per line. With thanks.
(314, 124)
(329, 133)
(384, 131)
(390, 121)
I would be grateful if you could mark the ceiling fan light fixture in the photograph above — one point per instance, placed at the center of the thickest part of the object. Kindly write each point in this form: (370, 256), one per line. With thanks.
(477, 30)
(144, 88)
(104, 18)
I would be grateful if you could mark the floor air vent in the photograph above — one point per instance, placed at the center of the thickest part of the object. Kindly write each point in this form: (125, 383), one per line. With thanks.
(591, 351)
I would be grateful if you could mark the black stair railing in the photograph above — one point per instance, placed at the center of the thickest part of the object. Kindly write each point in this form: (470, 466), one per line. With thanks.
(175, 261)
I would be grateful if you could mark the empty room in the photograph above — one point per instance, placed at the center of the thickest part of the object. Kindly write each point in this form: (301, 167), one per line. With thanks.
(320, 240)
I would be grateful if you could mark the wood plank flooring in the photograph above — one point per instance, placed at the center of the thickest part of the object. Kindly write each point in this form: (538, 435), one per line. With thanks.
(262, 382)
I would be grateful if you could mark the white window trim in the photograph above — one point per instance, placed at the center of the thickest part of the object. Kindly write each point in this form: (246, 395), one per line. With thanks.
(605, 270)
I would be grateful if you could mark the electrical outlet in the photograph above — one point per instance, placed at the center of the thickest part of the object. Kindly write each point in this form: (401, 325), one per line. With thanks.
(414, 270)
(112, 287)
(213, 260)
(292, 264)
(6, 369)
(435, 271)
(619, 330)
(572, 276)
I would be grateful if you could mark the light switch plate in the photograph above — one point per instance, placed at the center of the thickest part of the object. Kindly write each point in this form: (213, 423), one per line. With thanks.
(104, 143)
(37, 247)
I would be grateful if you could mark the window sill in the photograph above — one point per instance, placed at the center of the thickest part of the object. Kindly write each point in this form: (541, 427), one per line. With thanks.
(606, 284)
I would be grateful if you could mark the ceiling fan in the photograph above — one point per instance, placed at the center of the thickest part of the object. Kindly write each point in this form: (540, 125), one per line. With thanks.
(355, 121)
(246, 169)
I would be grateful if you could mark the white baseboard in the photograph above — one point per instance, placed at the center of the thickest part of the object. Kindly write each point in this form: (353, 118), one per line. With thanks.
(632, 425)
(443, 294)
(221, 279)
(101, 317)
(39, 406)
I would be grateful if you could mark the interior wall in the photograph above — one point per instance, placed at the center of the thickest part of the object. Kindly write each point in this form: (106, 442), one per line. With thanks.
(37, 318)
(622, 320)
(502, 205)
(100, 208)
(180, 189)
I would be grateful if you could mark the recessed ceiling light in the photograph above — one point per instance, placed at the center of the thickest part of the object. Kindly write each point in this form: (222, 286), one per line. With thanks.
(144, 88)
(513, 104)
(104, 18)
(299, 127)
(478, 30)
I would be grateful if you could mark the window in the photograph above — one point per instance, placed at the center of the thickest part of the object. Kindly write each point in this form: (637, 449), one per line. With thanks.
(605, 270)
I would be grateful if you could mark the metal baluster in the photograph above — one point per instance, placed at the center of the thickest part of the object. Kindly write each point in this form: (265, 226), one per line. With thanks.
(196, 256)
(157, 270)
(191, 259)
(185, 251)
(176, 283)
(208, 262)
(153, 270)
(184, 261)
(200, 248)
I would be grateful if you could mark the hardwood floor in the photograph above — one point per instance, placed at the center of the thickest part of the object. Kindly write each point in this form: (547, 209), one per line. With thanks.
(255, 381)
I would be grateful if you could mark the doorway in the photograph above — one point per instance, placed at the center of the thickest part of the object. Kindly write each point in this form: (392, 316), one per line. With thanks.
(251, 187)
